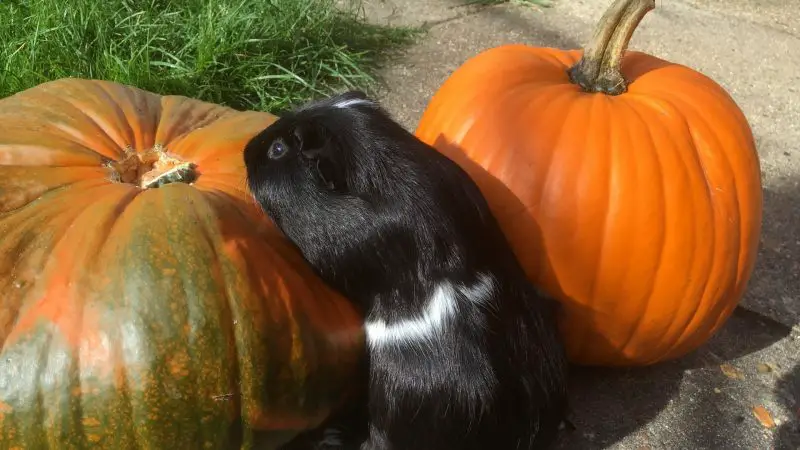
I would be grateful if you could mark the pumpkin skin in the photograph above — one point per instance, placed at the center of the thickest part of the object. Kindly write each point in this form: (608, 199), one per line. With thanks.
(169, 317)
(640, 212)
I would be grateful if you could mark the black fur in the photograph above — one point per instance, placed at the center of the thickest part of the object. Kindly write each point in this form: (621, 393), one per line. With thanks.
(385, 218)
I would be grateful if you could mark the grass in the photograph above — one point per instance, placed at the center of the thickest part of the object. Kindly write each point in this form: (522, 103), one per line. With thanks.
(247, 54)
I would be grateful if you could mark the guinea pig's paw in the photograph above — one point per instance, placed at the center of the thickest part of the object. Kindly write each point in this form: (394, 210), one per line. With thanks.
(331, 439)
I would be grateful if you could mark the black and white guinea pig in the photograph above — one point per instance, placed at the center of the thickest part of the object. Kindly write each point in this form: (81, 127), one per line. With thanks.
(463, 351)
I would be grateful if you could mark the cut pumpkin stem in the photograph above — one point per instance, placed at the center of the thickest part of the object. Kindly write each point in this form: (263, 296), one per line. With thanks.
(152, 168)
(599, 70)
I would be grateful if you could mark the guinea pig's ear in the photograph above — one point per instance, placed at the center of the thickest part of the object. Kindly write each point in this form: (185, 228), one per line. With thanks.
(314, 146)
(309, 140)
(329, 175)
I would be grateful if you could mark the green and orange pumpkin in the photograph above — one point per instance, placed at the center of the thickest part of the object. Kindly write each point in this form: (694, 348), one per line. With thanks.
(629, 186)
(145, 300)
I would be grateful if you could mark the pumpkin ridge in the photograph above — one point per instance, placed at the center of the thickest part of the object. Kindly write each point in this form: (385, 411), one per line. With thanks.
(559, 137)
(718, 307)
(27, 241)
(467, 133)
(183, 117)
(80, 433)
(703, 299)
(570, 114)
(179, 121)
(78, 215)
(40, 413)
(741, 222)
(126, 197)
(744, 135)
(167, 362)
(34, 432)
(555, 99)
(614, 134)
(209, 184)
(555, 59)
(146, 113)
(44, 195)
(28, 155)
(30, 306)
(89, 118)
(634, 113)
(741, 269)
(127, 136)
(271, 411)
(663, 207)
(191, 339)
(216, 263)
(478, 117)
(210, 229)
(69, 110)
(71, 133)
(125, 408)
(558, 132)
(706, 269)
(233, 313)
(124, 412)
(596, 102)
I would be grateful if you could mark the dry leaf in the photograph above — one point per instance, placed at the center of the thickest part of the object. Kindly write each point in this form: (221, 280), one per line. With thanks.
(764, 368)
(731, 372)
(763, 416)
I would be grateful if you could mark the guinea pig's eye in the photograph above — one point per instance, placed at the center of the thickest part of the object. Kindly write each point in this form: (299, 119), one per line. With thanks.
(277, 149)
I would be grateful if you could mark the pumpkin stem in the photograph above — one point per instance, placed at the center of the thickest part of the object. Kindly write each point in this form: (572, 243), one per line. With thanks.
(599, 68)
(152, 168)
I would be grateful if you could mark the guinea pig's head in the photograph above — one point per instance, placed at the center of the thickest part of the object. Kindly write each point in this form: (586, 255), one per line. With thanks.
(314, 157)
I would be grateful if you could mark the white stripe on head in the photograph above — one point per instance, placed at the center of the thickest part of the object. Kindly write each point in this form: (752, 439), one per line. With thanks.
(352, 102)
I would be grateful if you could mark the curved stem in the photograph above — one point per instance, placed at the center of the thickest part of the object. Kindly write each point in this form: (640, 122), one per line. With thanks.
(599, 68)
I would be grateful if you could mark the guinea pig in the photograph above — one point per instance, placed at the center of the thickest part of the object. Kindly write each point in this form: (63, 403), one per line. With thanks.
(463, 350)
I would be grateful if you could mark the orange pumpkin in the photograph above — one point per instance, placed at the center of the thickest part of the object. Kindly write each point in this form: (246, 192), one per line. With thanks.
(629, 186)
(145, 301)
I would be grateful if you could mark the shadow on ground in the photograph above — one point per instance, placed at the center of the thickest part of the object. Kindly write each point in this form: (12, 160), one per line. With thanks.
(775, 286)
(788, 390)
(610, 404)
(777, 290)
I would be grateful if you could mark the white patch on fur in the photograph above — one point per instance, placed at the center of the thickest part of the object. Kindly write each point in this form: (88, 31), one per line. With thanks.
(441, 308)
(352, 102)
